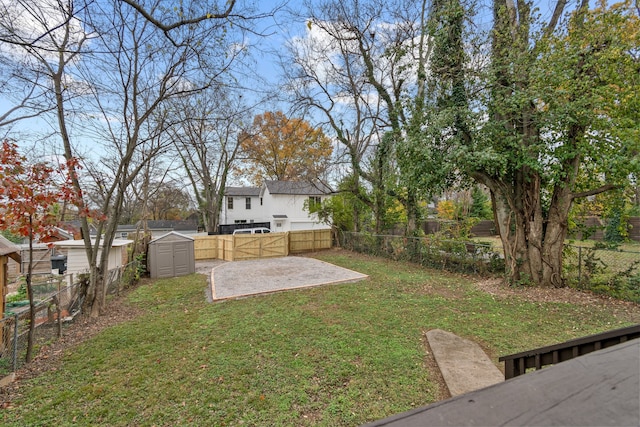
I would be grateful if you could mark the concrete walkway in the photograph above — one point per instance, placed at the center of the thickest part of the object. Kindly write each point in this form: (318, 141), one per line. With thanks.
(243, 278)
(465, 367)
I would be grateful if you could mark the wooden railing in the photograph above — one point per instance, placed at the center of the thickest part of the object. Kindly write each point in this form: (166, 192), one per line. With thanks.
(517, 364)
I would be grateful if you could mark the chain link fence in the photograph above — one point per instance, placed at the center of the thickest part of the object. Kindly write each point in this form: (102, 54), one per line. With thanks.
(429, 251)
(58, 298)
(612, 272)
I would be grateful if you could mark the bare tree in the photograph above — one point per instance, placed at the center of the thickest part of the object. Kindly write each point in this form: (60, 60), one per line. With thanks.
(362, 67)
(206, 136)
(139, 73)
(111, 93)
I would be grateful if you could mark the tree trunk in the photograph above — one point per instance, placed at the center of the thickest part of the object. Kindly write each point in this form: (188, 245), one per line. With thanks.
(532, 252)
(555, 233)
(32, 306)
(412, 214)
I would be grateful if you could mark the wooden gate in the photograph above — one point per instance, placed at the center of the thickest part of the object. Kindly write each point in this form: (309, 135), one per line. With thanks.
(253, 246)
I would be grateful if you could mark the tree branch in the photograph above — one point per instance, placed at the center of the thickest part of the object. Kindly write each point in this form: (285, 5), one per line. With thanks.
(168, 27)
(595, 191)
(557, 12)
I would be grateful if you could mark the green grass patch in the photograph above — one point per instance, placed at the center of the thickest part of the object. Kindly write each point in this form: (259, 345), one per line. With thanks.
(335, 355)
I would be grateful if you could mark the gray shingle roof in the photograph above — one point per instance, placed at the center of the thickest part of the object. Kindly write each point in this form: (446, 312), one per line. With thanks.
(242, 191)
(172, 225)
(297, 187)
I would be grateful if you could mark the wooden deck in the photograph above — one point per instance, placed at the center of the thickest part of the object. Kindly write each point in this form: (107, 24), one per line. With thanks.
(517, 364)
(601, 388)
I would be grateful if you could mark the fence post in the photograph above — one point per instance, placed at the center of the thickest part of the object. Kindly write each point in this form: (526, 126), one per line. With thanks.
(579, 265)
(56, 301)
(15, 342)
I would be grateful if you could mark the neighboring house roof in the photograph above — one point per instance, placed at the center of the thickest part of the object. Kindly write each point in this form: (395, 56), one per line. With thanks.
(242, 191)
(58, 234)
(172, 225)
(297, 188)
(75, 226)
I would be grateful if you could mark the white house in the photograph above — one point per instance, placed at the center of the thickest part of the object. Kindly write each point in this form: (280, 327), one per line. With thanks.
(279, 203)
(242, 205)
(77, 256)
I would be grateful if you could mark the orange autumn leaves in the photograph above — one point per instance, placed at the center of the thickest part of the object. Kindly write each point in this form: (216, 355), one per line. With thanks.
(282, 148)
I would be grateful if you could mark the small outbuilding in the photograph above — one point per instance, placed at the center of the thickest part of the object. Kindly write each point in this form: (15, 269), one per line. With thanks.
(7, 251)
(76, 254)
(171, 255)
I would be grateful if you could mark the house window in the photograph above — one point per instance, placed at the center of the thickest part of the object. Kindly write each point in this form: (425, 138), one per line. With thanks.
(240, 221)
(260, 201)
(247, 203)
(314, 203)
(229, 202)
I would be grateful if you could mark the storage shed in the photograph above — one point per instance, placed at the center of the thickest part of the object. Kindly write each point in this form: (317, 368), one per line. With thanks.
(77, 261)
(171, 255)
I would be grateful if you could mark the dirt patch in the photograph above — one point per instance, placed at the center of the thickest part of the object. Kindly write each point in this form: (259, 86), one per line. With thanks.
(442, 391)
(500, 289)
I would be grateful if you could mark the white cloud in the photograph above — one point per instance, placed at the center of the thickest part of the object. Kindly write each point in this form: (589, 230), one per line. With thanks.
(41, 24)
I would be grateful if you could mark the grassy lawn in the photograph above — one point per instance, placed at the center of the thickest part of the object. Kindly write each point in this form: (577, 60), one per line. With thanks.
(335, 355)
(630, 246)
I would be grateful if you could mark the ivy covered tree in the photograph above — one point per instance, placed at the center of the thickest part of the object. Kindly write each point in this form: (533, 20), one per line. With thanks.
(562, 101)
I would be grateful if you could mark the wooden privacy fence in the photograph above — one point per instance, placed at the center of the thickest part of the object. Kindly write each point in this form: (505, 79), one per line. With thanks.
(254, 246)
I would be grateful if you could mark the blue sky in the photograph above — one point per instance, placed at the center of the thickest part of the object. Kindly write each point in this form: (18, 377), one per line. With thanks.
(266, 62)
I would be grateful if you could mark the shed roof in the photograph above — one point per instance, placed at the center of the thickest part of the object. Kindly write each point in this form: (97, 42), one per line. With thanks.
(297, 188)
(172, 235)
(80, 243)
(7, 247)
(242, 191)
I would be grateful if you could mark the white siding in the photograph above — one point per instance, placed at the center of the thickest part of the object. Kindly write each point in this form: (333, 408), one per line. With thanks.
(297, 218)
(77, 261)
(240, 211)
(293, 207)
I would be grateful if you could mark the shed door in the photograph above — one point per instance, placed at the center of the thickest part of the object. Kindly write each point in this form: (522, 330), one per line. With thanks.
(164, 259)
(181, 258)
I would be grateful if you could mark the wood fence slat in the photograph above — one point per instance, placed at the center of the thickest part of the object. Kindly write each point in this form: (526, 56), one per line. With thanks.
(252, 246)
